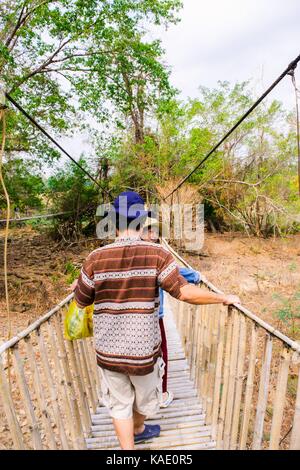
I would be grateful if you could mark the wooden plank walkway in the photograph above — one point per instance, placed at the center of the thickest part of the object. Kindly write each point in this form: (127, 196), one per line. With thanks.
(182, 423)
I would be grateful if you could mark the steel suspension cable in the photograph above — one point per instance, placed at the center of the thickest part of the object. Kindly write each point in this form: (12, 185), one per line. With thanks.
(287, 71)
(36, 124)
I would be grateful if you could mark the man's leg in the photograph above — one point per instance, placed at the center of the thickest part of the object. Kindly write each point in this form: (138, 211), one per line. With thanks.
(138, 422)
(118, 397)
(124, 432)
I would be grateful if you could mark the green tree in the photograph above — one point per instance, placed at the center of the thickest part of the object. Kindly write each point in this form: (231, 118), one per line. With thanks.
(70, 190)
(249, 184)
(58, 57)
(24, 186)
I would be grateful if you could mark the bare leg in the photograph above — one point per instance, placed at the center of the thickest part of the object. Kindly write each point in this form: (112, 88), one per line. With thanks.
(138, 422)
(124, 432)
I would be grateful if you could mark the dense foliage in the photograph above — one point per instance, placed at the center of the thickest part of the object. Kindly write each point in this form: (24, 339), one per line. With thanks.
(77, 65)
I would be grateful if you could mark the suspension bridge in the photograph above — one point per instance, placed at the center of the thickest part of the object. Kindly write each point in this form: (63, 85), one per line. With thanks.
(235, 378)
(231, 374)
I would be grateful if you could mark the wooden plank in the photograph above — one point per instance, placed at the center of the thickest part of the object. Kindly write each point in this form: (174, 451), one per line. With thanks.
(279, 401)
(196, 408)
(166, 429)
(82, 395)
(27, 401)
(61, 384)
(97, 419)
(40, 395)
(204, 354)
(51, 387)
(10, 412)
(239, 384)
(232, 381)
(205, 446)
(249, 389)
(198, 418)
(214, 318)
(69, 385)
(262, 395)
(108, 428)
(218, 374)
(295, 437)
(221, 420)
(174, 434)
(158, 443)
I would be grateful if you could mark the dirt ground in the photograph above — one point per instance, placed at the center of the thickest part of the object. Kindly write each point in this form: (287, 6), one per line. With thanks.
(264, 273)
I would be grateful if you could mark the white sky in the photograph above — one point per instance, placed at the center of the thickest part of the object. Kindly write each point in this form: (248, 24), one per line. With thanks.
(232, 40)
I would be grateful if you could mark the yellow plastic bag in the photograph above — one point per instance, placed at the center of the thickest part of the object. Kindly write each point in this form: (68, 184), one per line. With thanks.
(78, 322)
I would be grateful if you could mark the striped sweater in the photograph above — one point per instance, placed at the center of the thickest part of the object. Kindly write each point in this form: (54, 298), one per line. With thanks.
(122, 280)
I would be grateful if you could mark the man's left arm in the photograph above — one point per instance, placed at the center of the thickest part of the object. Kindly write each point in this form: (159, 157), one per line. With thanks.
(84, 293)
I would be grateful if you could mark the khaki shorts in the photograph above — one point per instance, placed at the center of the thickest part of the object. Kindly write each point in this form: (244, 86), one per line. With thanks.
(122, 394)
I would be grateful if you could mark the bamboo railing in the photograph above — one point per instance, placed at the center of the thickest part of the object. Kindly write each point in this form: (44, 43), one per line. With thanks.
(246, 373)
(48, 386)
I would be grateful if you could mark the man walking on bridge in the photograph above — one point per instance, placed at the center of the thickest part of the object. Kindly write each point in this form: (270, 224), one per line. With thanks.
(122, 280)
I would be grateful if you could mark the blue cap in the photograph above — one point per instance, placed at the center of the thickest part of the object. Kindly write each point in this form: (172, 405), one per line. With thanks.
(131, 205)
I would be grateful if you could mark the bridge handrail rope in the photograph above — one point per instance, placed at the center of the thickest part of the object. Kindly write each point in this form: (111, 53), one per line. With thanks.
(35, 325)
(242, 369)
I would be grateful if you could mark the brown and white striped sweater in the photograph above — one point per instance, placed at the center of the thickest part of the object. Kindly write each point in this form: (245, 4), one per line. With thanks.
(122, 280)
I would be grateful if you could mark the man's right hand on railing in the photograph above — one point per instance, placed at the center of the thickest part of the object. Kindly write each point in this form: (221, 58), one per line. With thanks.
(231, 299)
(197, 296)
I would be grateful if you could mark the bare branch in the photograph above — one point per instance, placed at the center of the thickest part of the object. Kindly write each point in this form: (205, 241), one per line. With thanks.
(41, 67)
(22, 21)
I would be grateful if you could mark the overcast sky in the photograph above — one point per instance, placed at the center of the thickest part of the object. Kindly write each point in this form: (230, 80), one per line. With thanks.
(232, 40)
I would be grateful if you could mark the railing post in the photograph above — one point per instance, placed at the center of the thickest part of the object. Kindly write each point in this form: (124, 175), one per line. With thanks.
(29, 409)
(295, 437)
(10, 412)
(262, 394)
(232, 380)
(40, 395)
(239, 384)
(249, 389)
(214, 319)
(279, 401)
(52, 391)
(221, 421)
(78, 436)
(218, 374)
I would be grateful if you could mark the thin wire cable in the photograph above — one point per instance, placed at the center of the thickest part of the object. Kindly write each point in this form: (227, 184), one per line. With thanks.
(292, 74)
(290, 67)
(36, 124)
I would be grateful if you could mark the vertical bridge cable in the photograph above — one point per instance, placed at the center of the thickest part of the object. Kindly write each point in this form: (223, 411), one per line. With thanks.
(292, 74)
(41, 129)
(2, 118)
